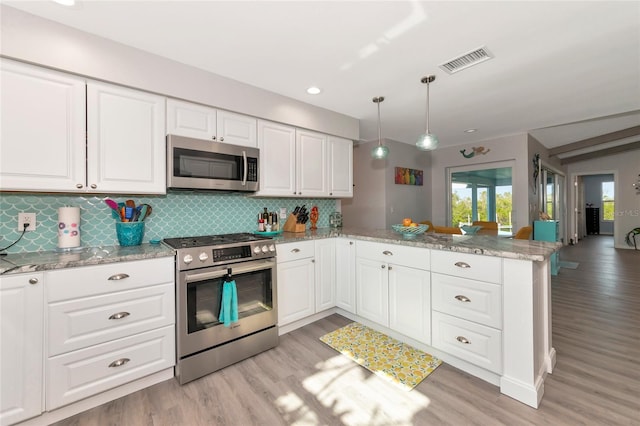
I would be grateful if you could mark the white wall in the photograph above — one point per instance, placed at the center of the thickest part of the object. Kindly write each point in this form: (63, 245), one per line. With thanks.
(626, 168)
(30, 38)
(366, 208)
(377, 201)
(502, 149)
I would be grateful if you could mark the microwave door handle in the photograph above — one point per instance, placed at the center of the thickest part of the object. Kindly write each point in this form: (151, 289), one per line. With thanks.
(246, 164)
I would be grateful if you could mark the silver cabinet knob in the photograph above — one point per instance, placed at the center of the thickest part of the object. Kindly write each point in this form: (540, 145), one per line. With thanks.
(383, 266)
(222, 139)
(94, 186)
(79, 185)
(214, 138)
(33, 281)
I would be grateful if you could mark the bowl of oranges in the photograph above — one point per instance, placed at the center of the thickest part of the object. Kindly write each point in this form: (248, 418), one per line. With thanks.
(410, 229)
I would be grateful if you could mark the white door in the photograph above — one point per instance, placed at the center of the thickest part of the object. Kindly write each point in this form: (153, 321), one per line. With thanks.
(125, 142)
(191, 120)
(325, 273)
(42, 129)
(372, 290)
(311, 162)
(296, 298)
(237, 129)
(346, 275)
(340, 159)
(21, 347)
(410, 302)
(277, 144)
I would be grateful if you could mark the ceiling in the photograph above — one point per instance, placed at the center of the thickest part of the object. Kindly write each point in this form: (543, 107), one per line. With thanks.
(562, 71)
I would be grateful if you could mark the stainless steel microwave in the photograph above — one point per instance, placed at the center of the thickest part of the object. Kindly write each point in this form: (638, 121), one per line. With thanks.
(205, 165)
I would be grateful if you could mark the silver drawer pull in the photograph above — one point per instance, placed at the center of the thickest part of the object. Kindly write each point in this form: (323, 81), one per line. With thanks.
(119, 315)
(464, 340)
(463, 298)
(119, 363)
(295, 250)
(117, 277)
(33, 281)
(387, 253)
(462, 265)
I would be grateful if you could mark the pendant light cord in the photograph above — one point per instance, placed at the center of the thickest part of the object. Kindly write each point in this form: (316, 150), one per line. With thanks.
(427, 131)
(379, 131)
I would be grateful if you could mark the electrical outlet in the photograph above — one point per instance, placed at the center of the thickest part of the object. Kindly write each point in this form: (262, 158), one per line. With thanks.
(29, 218)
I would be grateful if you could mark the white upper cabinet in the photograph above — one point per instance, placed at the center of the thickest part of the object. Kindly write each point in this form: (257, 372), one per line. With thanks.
(277, 144)
(340, 161)
(311, 162)
(202, 122)
(125, 140)
(295, 162)
(42, 142)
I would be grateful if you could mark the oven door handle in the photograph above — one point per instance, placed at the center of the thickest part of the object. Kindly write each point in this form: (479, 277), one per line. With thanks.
(267, 264)
(246, 164)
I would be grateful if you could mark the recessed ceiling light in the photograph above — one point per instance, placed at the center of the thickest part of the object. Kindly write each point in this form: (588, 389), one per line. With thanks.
(313, 90)
(66, 2)
(470, 130)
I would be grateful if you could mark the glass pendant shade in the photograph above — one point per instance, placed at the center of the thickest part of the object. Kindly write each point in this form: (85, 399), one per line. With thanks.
(379, 151)
(427, 142)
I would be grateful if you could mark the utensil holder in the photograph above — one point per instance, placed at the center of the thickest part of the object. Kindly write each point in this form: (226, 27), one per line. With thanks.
(130, 233)
(292, 225)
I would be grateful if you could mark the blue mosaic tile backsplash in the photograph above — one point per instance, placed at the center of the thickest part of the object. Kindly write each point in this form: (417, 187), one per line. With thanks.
(174, 215)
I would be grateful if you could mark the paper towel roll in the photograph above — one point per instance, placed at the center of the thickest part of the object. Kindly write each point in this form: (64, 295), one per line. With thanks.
(68, 227)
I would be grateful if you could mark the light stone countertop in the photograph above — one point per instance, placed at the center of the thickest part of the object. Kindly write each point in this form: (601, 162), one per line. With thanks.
(17, 263)
(475, 244)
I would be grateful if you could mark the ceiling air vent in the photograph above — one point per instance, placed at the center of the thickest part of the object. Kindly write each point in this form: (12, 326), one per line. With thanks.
(467, 60)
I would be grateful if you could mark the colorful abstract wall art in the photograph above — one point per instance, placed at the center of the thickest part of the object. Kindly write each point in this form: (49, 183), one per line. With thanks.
(407, 176)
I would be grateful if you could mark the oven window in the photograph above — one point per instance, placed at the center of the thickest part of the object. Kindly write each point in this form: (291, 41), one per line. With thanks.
(206, 165)
(204, 298)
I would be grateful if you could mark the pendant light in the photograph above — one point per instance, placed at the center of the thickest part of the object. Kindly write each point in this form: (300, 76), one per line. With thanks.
(380, 151)
(427, 141)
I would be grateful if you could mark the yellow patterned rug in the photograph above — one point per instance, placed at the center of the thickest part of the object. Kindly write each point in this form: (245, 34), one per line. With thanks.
(384, 356)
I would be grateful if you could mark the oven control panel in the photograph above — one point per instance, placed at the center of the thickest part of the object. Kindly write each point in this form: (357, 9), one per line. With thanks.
(201, 257)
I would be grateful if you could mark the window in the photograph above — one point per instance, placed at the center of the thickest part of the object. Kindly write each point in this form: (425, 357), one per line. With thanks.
(483, 194)
(608, 201)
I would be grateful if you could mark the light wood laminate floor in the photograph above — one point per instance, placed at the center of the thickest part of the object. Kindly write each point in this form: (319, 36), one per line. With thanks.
(596, 332)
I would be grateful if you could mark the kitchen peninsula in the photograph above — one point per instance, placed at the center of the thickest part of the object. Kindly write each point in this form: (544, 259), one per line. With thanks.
(480, 303)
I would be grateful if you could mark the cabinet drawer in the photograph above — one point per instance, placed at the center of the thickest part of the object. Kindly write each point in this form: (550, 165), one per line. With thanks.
(414, 257)
(483, 268)
(86, 372)
(474, 343)
(80, 323)
(295, 251)
(86, 281)
(472, 300)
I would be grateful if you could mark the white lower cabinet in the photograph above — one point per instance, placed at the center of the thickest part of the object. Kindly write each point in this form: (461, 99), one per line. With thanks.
(410, 302)
(346, 274)
(296, 281)
(86, 372)
(107, 325)
(467, 307)
(21, 347)
(325, 273)
(372, 291)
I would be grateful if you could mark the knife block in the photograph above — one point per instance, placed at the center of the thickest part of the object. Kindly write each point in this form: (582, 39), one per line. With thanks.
(292, 225)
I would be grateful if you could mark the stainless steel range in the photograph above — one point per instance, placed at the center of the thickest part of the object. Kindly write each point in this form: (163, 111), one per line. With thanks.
(203, 264)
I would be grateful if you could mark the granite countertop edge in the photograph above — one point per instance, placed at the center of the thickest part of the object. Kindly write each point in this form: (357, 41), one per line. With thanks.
(485, 245)
(29, 262)
(538, 251)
